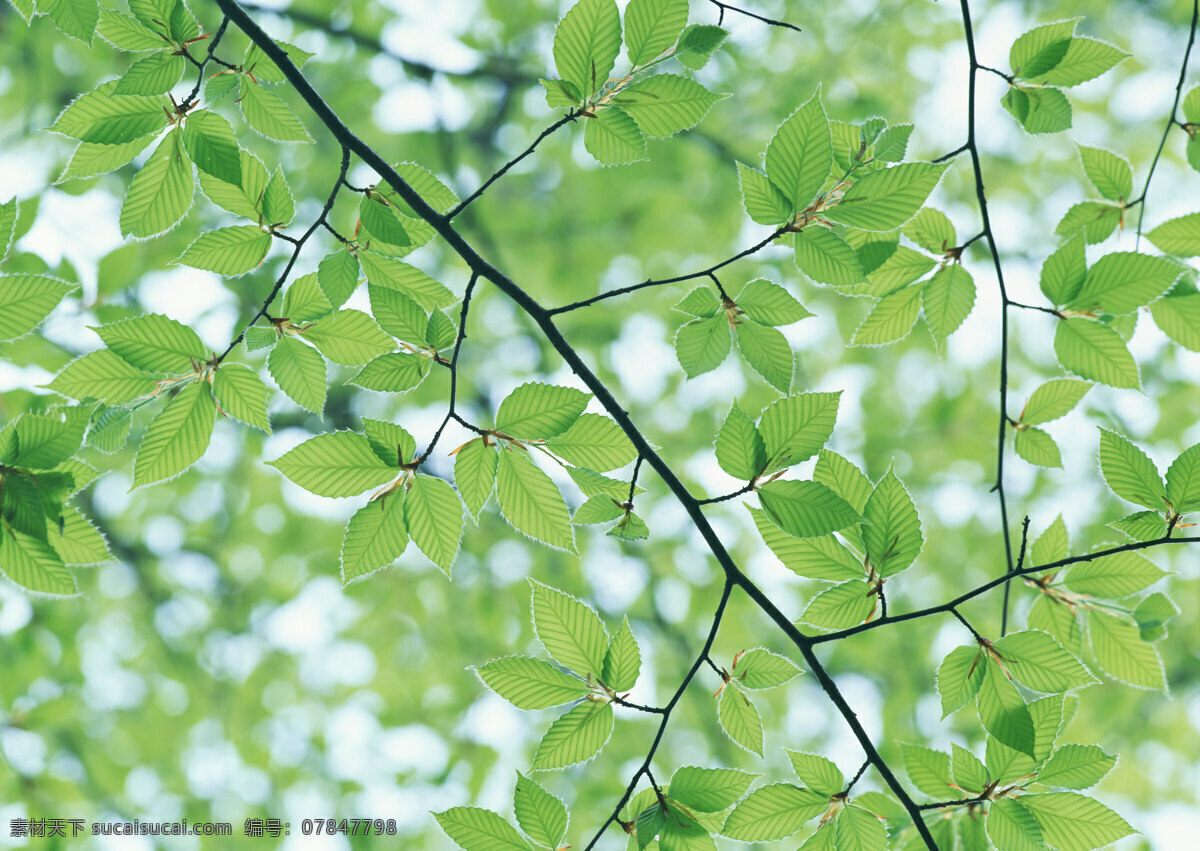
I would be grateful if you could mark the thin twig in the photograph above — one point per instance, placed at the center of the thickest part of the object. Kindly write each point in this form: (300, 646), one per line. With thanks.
(771, 21)
(458, 341)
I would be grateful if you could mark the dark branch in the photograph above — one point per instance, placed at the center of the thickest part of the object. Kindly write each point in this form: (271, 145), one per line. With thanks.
(771, 21)
(458, 341)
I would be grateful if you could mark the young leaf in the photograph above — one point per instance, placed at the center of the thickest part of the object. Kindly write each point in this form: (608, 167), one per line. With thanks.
(698, 43)
(472, 827)
(760, 668)
(337, 275)
(1083, 60)
(1072, 822)
(1038, 662)
(1095, 352)
(821, 775)
(821, 557)
(31, 563)
(740, 449)
(806, 509)
(1109, 173)
(243, 195)
(161, 193)
(150, 75)
(210, 142)
(652, 26)
(893, 531)
(531, 683)
(1183, 481)
(576, 736)
(891, 319)
(598, 509)
(614, 138)
(947, 300)
(902, 267)
(530, 501)
(739, 719)
(1037, 447)
(25, 300)
(1141, 525)
(796, 427)
(105, 118)
(78, 541)
(959, 677)
(586, 44)
(396, 372)
(349, 337)
(231, 251)
(1180, 236)
(630, 528)
(1179, 319)
(770, 304)
(800, 156)
(622, 660)
(886, 199)
(765, 202)
(843, 478)
(827, 258)
(340, 463)
(841, 606)
(666, 104)
(278, 204)
(375, 537)
(475, 474)
(1076, 767)
(1152, 615)
(1114, 576)
(241, 394)
(433, 514)
(767, 350)
(701, 345)
(928, 769)
(1064, 271)
(1129, 472)
(1096, 220)
(536, 410)
(304, 301)
(177, 437)
(774, 812)
(709, 790)
(593, 441)
(1123, 281)
(1122, 654)
(1053, 399)
(105, 376)
(701, 302)
(541, 815)
(1002, 710)
(1012, 827)
(569, 629)
(299, 370)
(266, 113)
(932, 230)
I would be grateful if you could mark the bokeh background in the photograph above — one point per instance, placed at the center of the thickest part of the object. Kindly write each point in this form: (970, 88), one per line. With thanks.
(217, 670)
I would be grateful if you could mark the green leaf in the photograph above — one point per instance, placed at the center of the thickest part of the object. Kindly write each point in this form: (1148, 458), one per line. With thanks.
(666, 104)
(818, 773)
(1037, 447)
(103, 375)
(576, 736)
(1052, 544)
(740, 449)
(858, 830)
(1002, 710)
(806, 509)
(109, 429)
(827, 258)
(1110, 174)
(43, 441)
(433, 513)
(476, 829)
(231, 251)
(800, 156)
(767, 350)
(893, 531)
(1183, 481)
(959, 677)
(598, 509)
(209, 141)
(397, 314)
(843, 478)
(774, 812)
(278, 205)
(796, 427)
(243, 197)
(161, 193)
(560, 93)
(892, 317)
(886, 199)
(8, 220)
(339, 463)
(32, 564)
(177, 437)
(594, 484)
(1141, 525)
(1040, 663)
(701, 302)
(1179, 319)
(531, 683)
(593, 441)
(151, 75)
(932, 230)
(1179, 236)
(1096, 220)
(821, 557)
(569, 629)
(701, 345)
(1071, 822)
(892, 144)
(652, 26)
(770, 304)
(1039, 49)
(614, 138)
(1084, 59)
(928, 769)
(349, 337)
(622, 660)
(396, 372)
(947, 300)
(375, 537)
(1095, 352)
(1045, 110)
(535, 410)
(241, 394)
(110, 119)
(586, 44)
(155, 343)
(841, 606)
(299, 370)
(388, 272)
(77, 541)
(392, 444)
(765, 202)
(1123, 654)
(541, 815)
(1129, 472)
(1011, 827)
(1114, 576)
(265, 69)
(259, 337)
(25, 300)
(1054, 399)
(709, 790)
(630, 528)
(303, 301)
(475, 474)
(698, 43)
(1123, 281)
(1064, 271)
(337, 275)
(1152, 615)
(381, 219)
(267, 114)
(740, 719)
(441, 333)
(903, 267)
(1076, 767)
(760, 668)
(126, 33)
